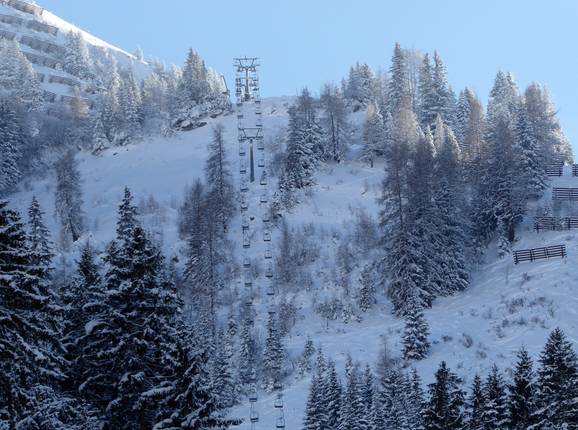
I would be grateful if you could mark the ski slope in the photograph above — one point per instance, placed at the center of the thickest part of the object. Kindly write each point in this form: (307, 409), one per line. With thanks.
(506, 307)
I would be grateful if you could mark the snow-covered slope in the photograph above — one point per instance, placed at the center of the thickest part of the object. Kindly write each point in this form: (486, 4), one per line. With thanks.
(507, 305)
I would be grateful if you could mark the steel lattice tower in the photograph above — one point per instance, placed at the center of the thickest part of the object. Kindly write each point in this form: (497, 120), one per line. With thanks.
(251, 148)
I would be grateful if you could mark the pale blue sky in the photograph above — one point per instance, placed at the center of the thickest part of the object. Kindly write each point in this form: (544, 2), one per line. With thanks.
(307, 42)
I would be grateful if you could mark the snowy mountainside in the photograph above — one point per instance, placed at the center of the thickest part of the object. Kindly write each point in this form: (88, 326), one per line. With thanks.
(507, 305)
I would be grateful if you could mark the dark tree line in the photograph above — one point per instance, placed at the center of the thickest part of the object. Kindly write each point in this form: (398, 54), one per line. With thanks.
(539, 399)
(111, 349)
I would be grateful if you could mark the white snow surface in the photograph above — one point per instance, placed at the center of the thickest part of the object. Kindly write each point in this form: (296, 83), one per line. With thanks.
(507, 306)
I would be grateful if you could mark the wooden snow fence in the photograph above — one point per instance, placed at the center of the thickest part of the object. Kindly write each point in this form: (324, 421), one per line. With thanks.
(555, 223)
(568, 194)
(554, 170)
(545, 253)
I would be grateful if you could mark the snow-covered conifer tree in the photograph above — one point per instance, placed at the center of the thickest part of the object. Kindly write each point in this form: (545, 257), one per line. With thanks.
(475, 405)
(522, 392)
(557, 385)
(11, 142)
(77, 58)
(415, 335)
(495, 410)
(39, 243)
(444, 409)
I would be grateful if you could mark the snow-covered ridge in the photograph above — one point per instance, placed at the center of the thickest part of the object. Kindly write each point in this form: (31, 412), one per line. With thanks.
(66, 27)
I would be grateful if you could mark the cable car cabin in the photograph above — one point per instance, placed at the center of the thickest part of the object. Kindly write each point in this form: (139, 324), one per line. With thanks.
(267, 236)
(248, 284)
(246, 263)
(264, 198)
(266, 217)
(254, 417)
(261, 162)
(242, 150)
(270, 291)
(253, 397)
(260, 144)
(245, 222)
(280, 423)
(246, 241)
(263, 180)
(278, 403)
(268, 254)
(272, 309)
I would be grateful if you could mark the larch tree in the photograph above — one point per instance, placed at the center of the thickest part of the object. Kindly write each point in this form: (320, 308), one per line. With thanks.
(68, 199)
(373, 135)
(219, 179)
(334, 121)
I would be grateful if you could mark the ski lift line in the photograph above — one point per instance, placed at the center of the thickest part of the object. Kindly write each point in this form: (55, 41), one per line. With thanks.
(250, 135)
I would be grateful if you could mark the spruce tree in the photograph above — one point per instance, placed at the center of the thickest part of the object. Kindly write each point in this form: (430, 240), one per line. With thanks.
(393, 400)
(314, 418)
(415, 401)
(127, 218)
(130, 105)
(444, 408)
(274, 353)
(475, 405)
(450, 214)
(353, 410)
(83, 301)
(427, 95)
(366, 294)
(304, 149)
(398, 92)
(77, 60)
(305, 362)
(125, 353)
(557, 385)
(17, 76)
(39, 242)
(11, 142)
(31, 362)
(332, 397)
(415, 335)
(223, 379)
(187, 399)
(495, 410)
(403, 258)
(445, 103)
(521, 398)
